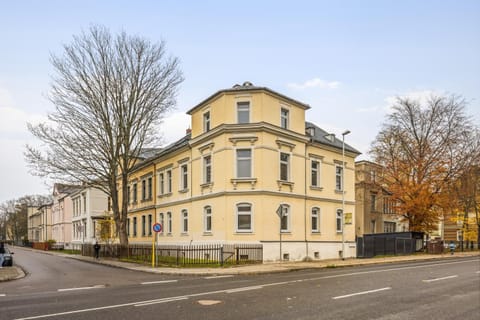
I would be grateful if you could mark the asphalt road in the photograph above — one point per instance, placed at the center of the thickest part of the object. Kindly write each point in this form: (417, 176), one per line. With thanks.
(61, 288)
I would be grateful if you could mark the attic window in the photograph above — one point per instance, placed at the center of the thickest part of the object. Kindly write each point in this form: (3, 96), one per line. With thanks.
(330, 137)
(311, 131)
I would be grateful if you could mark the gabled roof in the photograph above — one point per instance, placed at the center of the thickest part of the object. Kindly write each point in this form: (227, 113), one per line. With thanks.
(323, 137)
(146, 153)
(245, 87)
(166, 150)
(65, 188)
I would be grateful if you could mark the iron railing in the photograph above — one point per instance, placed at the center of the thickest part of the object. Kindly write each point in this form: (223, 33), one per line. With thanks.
(182, 255)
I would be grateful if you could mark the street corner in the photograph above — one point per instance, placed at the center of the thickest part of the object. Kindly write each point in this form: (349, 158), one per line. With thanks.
(11, 273)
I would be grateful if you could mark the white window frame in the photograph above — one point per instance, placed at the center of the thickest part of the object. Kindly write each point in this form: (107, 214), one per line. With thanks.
(207, 121)
(184, 216)
(237, 159)
(287, 163)
(284, 118)
(315, 183)
(161, 183)
(184, 177)
(169, 180)
(161, 220)
(169, 223)
(237, 206)
(244, 105)
(339, 220)
(286, 217)
(338, 177)
(207, 216)
(315, 213)
(207, 169)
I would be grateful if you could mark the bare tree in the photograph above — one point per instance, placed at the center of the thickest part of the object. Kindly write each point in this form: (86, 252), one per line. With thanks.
(423, 149)
(110, 94)
(14, 216)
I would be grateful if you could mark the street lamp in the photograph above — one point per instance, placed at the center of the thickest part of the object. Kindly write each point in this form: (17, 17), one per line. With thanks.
(343, 192)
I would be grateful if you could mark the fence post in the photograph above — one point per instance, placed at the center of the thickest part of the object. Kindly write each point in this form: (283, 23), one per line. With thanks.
(221, 255)
(177, 250)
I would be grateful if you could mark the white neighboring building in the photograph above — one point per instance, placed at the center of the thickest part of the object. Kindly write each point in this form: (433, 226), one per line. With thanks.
(89, 205)
(62, 214)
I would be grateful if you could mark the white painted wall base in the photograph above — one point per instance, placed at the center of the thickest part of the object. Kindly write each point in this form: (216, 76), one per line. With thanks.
(298, 251)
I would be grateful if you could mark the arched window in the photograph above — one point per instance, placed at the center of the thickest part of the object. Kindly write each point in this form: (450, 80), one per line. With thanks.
(207, 213)
(161, 220)
(315, 219)
(285, 219)
(244, 217)
(339, 220)
(184, 221)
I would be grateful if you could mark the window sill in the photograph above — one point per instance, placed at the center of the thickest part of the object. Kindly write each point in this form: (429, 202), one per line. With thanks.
(236, 181)
(283, 183)
(164, 195)
(207, 233)
(183, 190)
(206, 187)
(244, 232)
(316, 233)
(316, 188)
(339, 191)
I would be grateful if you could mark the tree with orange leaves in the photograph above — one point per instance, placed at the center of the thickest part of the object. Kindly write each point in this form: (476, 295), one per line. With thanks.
(423, 149)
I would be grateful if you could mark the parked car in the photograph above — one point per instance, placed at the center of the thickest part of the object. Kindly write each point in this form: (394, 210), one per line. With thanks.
(7, 258)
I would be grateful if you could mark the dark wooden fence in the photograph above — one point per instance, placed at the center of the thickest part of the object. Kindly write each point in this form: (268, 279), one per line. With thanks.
(183, 255)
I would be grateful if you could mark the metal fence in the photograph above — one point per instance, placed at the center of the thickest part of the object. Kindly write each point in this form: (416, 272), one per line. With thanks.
(368, 247)
(183, 255)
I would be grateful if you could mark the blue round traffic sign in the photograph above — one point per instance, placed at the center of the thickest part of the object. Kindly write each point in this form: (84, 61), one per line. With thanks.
(157, 227)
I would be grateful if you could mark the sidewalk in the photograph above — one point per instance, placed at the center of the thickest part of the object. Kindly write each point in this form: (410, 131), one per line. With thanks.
(11, 273)
(273, 267)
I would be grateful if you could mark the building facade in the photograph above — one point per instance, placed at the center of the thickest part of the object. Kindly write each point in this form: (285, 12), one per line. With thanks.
(374, 206)
(88, 206)
(250, 170)
(62, 210)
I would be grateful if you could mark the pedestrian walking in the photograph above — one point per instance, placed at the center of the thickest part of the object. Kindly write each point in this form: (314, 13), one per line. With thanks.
(96, 248)
(2, 251)
(452, 247)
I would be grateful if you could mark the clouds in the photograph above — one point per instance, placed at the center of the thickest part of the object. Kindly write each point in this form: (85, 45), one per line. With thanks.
(13, 120)
(314, 83)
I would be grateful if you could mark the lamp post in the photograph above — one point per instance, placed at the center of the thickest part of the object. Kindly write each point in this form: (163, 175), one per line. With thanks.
(343, 192)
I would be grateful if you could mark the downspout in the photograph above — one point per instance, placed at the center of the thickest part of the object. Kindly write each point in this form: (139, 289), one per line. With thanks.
(305, 201)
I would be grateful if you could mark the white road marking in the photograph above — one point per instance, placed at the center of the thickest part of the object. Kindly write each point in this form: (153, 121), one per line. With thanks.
(427, 265)
(219, 277)
(82, 288)
(360, 293)
(244, 289)
(160, 301)
(159, 282)
(438, 279)
(477, 272)
(3, 295)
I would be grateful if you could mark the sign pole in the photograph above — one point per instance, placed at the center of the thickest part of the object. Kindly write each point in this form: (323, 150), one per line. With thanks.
(157, 227)
(153, 250)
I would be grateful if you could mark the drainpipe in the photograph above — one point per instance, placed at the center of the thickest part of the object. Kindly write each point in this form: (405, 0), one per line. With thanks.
(305, 199)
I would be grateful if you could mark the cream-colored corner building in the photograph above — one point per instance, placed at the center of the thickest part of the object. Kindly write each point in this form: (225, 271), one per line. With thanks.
(250, 152)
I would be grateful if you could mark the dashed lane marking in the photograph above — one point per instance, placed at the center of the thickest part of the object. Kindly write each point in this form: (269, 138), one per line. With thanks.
(3, 295)
(243, 289)
(438, 279)
(160, 301)
(219, 277)
(82, 288)
(159, 282)
(360, 293)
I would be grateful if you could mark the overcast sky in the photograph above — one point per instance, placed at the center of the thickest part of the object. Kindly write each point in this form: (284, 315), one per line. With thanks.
(346, 59)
